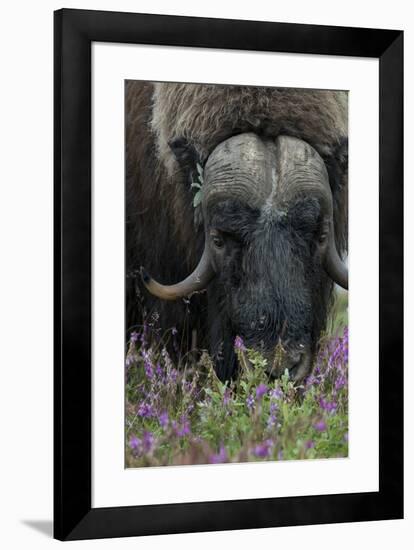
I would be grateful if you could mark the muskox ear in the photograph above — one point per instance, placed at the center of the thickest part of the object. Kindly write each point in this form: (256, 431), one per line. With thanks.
(185, 153)
(190, 163)
(337, 166)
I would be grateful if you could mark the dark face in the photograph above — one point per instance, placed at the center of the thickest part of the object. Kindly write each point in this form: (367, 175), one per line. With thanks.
(268, 284)
(270, 254)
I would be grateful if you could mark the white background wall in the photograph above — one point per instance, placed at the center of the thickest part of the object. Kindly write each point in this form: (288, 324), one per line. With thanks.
(26, 130)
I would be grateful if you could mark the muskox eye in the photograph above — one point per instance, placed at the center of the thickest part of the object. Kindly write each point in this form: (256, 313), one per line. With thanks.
(218, 242)
(323, 238)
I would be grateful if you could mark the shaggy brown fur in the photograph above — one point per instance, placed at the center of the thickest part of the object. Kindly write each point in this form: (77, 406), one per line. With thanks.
(160, 217)
(209, 114)
(206, 114)
(167, 246)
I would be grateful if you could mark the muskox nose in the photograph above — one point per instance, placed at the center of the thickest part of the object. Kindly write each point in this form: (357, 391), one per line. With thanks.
(259, 324)
(295, 360)
(298, 363)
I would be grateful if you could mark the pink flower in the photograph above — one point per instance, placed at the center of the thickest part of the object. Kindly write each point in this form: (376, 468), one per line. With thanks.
(134, 442)
(145, 410)
(239, 344)
(320, 426)
(261, 390)
(220, 457)
(263, 449)
(163, 420)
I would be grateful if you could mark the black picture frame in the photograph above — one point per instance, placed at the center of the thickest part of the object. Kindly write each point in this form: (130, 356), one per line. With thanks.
(74, 32)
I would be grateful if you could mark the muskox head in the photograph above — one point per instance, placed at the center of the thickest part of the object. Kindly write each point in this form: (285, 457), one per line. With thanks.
(270, 257)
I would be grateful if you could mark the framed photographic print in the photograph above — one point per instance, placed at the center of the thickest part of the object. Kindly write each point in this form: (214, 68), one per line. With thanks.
(228, 274)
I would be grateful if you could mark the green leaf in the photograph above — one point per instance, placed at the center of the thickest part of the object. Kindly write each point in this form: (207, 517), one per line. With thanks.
(197, 199)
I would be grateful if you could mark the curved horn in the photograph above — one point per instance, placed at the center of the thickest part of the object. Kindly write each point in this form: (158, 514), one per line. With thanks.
(198, 280)
(334, 266)
(309, 176)
(332, 262)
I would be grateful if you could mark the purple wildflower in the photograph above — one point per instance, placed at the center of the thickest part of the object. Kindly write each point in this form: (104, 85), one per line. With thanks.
(271, 421)
(239, 344)
(131, 359)
(145, 410)
(164, 420)
(158, 370)
(309, 444)
(276, 393)
(339, 354)
(329, 406)
(134, 337)
(220, 457)
(226, 397)
(320, 426)
(340, 382)
(134, 442)
(172, 375)
(148, 366)
(261, 390)
(311, 380)
(149, 371)
(143, 336)
(183, 428)
(262, 450)
(250, 402)
(147, 441)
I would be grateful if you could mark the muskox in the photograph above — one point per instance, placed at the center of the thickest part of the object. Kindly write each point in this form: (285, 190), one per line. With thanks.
(259, 255)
